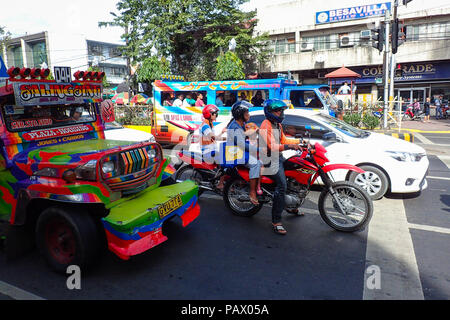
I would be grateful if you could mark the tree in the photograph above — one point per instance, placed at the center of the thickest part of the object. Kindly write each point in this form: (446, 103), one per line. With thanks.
(4, 38)
(190, 33)
(229, 67)
(152, 68)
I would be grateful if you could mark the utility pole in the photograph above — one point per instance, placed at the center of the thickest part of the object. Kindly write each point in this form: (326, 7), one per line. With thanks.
(385, 67)
(393, 62)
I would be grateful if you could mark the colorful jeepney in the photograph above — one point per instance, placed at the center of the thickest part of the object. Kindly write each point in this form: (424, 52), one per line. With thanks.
(75, 189)
(173, 124)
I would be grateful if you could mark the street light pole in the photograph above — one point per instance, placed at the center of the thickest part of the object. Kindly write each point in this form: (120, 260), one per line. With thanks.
(393, 62)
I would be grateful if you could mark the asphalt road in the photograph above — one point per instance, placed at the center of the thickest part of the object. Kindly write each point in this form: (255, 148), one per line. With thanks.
(221, 256)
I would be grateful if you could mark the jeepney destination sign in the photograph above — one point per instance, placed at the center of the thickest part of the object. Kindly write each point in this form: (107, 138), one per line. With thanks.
(35, 93)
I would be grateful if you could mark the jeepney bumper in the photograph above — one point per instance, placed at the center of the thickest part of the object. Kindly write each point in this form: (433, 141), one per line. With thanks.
(135, 226)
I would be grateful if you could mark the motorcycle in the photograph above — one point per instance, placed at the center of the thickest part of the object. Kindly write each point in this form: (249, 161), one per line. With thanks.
(205, 174)
(343, 205)
(410, 115)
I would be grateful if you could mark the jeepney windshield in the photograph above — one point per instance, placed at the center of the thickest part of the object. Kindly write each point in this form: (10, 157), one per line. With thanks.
(29, 118)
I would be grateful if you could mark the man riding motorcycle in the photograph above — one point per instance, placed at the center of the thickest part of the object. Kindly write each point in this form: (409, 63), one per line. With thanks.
(271, 133)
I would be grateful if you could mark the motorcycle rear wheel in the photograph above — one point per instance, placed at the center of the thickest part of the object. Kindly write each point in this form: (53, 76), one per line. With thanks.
(357, 205)
(234, 195)
(190, 173)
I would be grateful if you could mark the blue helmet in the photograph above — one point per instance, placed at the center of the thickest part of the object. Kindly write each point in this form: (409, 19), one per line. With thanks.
(272, 105)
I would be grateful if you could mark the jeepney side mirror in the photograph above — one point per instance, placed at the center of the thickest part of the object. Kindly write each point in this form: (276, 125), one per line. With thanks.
(107, 111)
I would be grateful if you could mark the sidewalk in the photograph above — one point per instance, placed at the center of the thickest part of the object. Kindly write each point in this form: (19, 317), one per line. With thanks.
(434, 126)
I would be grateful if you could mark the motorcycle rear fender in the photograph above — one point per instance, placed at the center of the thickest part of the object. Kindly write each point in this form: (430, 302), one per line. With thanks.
(344, 166)
(244, 173)
(195, 162)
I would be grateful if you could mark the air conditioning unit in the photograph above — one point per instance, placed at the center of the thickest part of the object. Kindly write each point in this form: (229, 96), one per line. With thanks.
(365, 34)
(306, 46)
(346, 41)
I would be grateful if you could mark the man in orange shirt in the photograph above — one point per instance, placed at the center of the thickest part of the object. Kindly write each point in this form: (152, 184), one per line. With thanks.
(272, 135)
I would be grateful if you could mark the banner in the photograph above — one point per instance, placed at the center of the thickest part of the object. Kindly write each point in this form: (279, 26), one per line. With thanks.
(3, 71)
(352, 13)
(42, 93)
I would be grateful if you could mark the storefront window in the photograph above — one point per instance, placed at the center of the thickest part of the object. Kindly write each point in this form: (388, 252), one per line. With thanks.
(39, 54)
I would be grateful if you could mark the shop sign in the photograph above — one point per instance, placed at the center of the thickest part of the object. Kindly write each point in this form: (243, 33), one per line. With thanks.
(411, 72)
(38, 93)
(352, 13)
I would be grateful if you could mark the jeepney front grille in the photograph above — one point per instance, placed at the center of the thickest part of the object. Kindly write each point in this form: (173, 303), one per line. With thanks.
(135, 168)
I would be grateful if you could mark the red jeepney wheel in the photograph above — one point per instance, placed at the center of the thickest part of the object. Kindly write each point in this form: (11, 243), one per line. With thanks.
(67, 237)
(60, 240)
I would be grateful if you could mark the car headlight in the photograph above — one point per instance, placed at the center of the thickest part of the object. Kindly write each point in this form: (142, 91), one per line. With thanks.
(47, 172)
(406, 156)
(108, 167)
(87, 171)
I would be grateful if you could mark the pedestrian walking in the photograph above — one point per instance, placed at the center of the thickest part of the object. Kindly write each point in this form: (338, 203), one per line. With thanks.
(438, 105)
(426, 110)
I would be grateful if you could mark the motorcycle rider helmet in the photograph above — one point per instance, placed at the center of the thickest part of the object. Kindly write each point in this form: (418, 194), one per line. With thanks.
(273, 105)
(208, 110)
(239, 109)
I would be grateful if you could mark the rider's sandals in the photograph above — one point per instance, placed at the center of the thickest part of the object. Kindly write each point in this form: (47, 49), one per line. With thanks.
(279, 229)
(254, 201)
(295, 212)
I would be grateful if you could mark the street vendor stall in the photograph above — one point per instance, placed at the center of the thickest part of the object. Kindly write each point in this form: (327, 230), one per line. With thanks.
(341, 76)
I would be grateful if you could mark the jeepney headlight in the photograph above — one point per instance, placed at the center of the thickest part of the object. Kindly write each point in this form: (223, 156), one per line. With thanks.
(87, 171)
(108, 167)
(47, 172)
(151, 153)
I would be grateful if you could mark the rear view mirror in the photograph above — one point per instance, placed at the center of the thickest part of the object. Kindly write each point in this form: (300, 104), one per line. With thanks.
(329, 136)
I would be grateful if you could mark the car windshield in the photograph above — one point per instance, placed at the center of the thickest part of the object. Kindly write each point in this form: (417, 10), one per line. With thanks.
(343, 126)
(28, 118)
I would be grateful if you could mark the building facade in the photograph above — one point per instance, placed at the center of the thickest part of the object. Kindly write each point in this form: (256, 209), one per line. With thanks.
(312, 38)
(56, 49)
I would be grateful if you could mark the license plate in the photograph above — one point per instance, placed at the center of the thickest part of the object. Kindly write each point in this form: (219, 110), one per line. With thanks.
(170, 206)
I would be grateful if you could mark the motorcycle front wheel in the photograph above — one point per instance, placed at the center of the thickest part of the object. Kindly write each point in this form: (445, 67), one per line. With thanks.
(352, 213)
(237, 199)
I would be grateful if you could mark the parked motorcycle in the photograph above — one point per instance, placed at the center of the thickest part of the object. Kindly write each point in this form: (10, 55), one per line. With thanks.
(343, 205)
(410, 115)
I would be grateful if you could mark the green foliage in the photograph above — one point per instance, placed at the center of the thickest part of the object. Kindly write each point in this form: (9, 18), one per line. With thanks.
(192, 33)
(5, 36)
(370, 121)
(153, 68)
(135, 115)
(229, 67)
(353, 119)
(105, 80)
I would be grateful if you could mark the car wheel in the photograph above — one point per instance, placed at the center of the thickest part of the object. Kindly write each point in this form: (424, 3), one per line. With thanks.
(373, 181)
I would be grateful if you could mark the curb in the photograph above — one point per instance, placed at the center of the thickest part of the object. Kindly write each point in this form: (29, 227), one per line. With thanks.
(407, 136)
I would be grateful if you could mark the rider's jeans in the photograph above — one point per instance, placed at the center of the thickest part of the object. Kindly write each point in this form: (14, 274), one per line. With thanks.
(279, 194)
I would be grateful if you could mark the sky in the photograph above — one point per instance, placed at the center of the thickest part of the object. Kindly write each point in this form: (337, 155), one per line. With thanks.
(70, 17)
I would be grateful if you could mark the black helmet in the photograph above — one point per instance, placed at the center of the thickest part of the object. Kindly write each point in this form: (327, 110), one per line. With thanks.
(240, 108)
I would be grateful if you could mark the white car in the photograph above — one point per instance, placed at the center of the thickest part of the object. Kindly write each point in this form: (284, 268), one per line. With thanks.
(390, 164)
(115, 131)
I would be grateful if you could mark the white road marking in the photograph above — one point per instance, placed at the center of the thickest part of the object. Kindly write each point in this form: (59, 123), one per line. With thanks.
(445, 159)
(390, 247)
(429, 228)
(422, 138)
(17, 293)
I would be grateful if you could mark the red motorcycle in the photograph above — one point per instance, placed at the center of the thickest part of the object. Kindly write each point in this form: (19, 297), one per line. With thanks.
(411, 115)
(343, 205)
